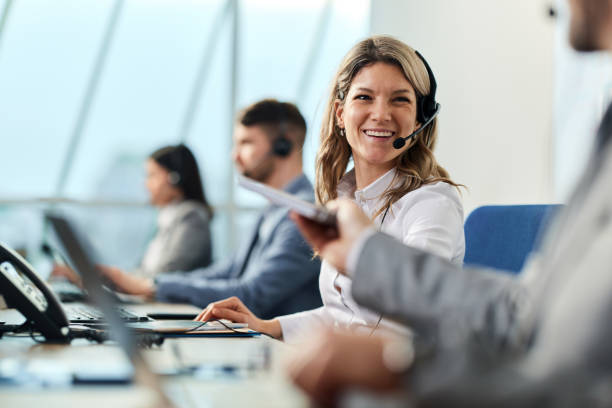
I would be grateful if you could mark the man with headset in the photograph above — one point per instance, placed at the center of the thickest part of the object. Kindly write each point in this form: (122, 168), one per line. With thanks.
(540, 339)
(273, 270)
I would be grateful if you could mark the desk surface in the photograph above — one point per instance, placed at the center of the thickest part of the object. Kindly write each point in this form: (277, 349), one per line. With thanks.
(223, 372)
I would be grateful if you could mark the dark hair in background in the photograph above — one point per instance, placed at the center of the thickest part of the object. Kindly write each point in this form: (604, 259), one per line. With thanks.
(179, 159)
(272, 113)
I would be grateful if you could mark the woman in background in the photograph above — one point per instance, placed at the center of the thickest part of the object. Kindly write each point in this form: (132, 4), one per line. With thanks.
(182, 241)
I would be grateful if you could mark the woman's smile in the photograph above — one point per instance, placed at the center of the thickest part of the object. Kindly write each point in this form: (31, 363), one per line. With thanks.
(378, 134)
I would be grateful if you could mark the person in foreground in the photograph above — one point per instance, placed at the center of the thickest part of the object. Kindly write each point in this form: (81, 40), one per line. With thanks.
(381, 112)
(182, 241)
(540, 339)
(273, 269)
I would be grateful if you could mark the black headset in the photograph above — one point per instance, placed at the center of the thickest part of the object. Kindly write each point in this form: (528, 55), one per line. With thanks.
(427, 107)
(281, 146)
(174, 176)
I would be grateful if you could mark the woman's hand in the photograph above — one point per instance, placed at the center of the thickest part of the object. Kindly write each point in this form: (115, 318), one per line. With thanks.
(63, 271)
(233, 309)
(334, 245)
(123, 282)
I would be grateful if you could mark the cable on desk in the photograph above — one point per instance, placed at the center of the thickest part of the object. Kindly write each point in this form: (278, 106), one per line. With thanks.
(145, 340)
(237, 331)
(225, 325)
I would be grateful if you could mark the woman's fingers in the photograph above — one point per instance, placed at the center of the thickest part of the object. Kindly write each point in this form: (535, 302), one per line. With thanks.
(204, 314)
(221, 312)
(316, 234)
(232, 303)
(229, 314)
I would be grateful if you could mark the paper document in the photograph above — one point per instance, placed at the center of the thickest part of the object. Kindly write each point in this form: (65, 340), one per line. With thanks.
(309, 210)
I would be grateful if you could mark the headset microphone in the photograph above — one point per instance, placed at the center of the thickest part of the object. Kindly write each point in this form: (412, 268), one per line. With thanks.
(400, 142)
(427, 107)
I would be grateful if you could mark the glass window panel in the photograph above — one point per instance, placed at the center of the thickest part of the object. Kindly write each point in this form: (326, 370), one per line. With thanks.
(46, 53)
(219, 228)
(266, 27)
(211, 132)
(145, 86)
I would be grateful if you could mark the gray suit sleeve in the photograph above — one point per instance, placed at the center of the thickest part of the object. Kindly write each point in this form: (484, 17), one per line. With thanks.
(463, 319)
(438, 299)
(284, 266)
(507, 387)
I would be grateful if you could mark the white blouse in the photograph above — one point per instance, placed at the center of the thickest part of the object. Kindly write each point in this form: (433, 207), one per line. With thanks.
(429, 218)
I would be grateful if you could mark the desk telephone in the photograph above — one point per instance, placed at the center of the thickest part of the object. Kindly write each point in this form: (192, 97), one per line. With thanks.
(23, 289)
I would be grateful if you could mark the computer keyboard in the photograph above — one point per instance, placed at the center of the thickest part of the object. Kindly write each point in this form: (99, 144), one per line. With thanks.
(82, 313)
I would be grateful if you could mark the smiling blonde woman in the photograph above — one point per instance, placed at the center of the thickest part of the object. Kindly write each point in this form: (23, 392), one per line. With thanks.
(381, 114)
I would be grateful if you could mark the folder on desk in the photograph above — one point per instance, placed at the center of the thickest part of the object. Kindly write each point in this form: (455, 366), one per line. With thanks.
(220, 333)
(193, 328)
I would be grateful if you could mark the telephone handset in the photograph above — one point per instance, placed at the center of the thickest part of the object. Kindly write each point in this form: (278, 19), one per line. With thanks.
(26, 292)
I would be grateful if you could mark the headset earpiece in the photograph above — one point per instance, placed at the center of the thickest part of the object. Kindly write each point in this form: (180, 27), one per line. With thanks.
(174, 178)
(281, 146)
(427, 108)
(427, 105)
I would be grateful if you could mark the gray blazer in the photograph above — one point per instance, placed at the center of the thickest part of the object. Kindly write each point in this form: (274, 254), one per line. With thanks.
(543, 338)
(273, 271)
(182, 241)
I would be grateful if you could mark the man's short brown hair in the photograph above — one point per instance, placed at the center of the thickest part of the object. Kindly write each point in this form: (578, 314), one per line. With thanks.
(277, 118)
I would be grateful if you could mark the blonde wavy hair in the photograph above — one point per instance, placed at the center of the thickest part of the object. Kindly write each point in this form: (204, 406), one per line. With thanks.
(417, 165)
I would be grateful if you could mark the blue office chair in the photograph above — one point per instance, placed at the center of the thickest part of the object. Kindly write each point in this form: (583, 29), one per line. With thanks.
(501, 236)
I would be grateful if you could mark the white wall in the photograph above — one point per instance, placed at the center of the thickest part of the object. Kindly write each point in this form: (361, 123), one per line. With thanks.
(493, 61)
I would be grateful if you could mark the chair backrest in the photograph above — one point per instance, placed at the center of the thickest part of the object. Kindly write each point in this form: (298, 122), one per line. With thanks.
(501, 236)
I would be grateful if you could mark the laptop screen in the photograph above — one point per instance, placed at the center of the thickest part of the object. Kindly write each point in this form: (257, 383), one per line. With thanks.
(81, 259)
